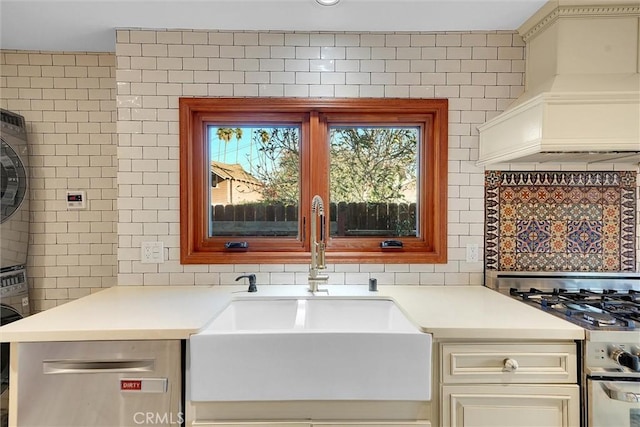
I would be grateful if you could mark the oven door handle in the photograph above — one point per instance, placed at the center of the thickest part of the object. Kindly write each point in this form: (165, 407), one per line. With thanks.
(621, 395)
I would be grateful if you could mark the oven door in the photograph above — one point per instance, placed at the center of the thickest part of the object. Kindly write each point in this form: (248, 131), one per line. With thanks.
(614, 402)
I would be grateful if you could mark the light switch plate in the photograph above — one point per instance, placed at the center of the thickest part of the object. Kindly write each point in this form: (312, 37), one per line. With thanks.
(152, 252)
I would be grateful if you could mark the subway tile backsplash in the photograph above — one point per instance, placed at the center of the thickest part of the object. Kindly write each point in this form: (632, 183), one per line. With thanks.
(68, 100)
(480, 73)
(108, 124)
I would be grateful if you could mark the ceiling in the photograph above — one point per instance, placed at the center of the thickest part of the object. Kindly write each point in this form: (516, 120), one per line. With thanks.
(88, 25)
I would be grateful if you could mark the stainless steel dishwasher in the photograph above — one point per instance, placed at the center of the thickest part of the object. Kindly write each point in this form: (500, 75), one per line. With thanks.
(100, 383)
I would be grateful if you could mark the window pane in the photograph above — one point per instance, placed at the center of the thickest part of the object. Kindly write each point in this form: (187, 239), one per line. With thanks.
(373, 180)
(254, 180)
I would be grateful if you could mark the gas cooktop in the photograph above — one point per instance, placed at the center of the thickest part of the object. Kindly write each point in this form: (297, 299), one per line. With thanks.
(607, 309)
(595, 301)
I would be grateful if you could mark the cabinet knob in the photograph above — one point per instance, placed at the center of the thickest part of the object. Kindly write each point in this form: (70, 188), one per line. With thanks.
(510, 365)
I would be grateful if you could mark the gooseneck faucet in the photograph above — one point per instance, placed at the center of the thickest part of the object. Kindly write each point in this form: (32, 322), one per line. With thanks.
(317, 245)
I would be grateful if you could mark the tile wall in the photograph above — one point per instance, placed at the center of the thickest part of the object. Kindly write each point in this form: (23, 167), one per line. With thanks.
(74, 100)
(479, 72)
(68, 101)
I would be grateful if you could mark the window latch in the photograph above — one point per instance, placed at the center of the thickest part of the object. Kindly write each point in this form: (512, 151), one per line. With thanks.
(391, 244)
(236, 246)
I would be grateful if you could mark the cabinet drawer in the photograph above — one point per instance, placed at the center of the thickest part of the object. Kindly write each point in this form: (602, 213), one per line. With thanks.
(251, 424)
(509, 363)
(372, 424)
(314, 424)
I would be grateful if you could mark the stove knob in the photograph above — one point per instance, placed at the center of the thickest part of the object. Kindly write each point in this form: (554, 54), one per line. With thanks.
(626, 359)
(510, 365)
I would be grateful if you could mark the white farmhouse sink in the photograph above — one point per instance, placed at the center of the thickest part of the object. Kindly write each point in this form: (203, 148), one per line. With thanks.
(310, 349)
(256, 315)
(355, 315)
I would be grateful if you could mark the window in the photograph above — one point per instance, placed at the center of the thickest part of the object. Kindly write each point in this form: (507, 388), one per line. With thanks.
(249, 168)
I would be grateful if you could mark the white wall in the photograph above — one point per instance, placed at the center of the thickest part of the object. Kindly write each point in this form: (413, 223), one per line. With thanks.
(69, 101)
(479, 72)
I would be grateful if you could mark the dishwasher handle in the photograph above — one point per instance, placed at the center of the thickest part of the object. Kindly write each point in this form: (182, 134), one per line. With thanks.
(96, 366)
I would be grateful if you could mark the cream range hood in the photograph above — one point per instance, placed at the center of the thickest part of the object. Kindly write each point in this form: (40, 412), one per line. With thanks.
(582, 92)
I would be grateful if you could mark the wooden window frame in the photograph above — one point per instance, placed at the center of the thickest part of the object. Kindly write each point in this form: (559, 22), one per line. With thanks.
(313, 115)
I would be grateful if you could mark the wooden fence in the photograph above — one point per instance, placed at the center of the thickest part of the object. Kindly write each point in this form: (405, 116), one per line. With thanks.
(346, 219)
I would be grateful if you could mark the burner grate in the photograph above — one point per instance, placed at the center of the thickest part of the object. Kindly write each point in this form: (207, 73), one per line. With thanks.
(604, 309)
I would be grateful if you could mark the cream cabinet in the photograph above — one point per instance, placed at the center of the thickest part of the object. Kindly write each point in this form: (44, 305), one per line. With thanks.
(372, 424)
(252, 424)
(314, 424)
(509, 384)
(510, 405)
(317, 413)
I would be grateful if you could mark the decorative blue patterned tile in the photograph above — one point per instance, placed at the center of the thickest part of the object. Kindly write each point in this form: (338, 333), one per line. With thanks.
(584, 237)
(533, 236)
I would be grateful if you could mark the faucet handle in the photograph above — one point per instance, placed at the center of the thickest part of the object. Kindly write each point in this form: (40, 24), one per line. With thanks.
(252, 281)
(321, 256)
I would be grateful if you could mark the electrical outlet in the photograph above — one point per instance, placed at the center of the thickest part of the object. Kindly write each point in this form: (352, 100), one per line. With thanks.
(152, 252)
(472, 252)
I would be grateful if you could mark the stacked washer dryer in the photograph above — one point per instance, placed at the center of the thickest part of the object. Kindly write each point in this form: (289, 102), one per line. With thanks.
(14, 235)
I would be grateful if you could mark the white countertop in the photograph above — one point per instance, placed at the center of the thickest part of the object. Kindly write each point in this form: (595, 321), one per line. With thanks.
(175, 312)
